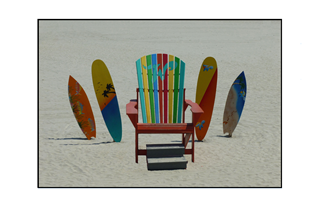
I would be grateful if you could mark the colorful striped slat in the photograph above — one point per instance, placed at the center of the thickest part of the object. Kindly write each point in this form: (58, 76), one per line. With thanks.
(181, 91)
(176, 89)
(155, 85)
(171, 70)
(161, 86)
(140, 82)
(145, 85)
(149, 68)
(165, 88)
(160, 78)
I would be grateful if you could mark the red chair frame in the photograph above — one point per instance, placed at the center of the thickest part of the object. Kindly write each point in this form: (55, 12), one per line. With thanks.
(186, 129)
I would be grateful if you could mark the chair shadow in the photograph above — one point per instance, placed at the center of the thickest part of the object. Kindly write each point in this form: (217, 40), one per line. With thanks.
(222, 136)
(78, 138)
(189, 141)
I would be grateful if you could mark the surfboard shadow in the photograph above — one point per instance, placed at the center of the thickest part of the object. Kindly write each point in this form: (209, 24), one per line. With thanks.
(101, 143)
(224, 136)
(91, 143)
(73, 138)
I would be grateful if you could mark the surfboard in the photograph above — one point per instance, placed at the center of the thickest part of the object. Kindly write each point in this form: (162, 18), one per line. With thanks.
(81, 108)
(205, 94)
(234, 104)
(107, 99)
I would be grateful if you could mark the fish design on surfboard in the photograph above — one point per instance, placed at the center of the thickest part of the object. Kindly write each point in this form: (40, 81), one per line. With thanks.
(200, 124)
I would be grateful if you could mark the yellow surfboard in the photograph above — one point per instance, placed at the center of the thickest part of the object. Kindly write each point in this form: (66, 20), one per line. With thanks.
(205, 94)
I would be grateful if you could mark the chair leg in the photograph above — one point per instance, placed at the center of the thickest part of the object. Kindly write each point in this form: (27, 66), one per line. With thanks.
(136, 150)
(192, 147)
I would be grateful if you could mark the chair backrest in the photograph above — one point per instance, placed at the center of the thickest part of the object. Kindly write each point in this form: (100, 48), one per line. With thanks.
(161, 88)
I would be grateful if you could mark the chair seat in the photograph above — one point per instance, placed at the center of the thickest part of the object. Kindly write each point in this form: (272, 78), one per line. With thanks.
(164, 128)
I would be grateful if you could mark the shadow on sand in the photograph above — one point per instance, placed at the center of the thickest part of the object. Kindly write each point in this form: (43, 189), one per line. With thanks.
(77, 138)
(73, 138)
(224, 136)
(188, 142)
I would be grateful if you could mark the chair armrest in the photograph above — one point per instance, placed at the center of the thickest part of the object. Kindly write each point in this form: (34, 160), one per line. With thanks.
(132, 111)
(195, 109)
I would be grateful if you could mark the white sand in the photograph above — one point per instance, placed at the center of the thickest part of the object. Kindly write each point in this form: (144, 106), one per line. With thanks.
(251, 158)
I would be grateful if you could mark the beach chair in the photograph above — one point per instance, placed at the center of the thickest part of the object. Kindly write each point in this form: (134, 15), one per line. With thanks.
(162, 97)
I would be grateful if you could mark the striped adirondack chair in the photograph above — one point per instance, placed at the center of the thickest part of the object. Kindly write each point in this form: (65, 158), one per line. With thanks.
(162, 98)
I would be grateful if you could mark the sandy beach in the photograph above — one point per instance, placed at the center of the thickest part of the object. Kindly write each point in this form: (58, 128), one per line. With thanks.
(251, 158)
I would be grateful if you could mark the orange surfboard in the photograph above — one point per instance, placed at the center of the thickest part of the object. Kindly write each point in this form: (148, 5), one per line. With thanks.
(81, 108)
(205, 94)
